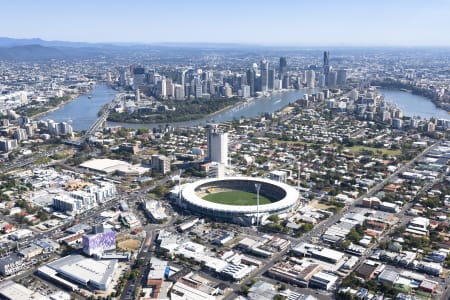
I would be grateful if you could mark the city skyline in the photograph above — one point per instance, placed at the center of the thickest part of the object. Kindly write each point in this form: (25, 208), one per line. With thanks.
(282, 23)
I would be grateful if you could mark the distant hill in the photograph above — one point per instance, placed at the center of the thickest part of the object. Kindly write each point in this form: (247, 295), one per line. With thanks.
(38, 52)
(11, 42)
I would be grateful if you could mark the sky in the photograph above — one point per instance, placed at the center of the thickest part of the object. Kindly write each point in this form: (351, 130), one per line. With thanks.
(261, 22)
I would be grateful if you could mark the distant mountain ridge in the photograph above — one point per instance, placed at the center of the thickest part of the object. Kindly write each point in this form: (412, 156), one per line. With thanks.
(12, 42)
(38, 52)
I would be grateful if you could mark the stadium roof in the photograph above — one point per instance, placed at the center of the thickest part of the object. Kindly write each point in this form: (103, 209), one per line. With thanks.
(190, 195)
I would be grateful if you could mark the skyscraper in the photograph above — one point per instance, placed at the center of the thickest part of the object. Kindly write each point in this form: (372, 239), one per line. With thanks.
(251, 81)
(283, 67)
(139, 77)
(271, 80)
(217, 145)
(161, 88)
(286, 81)
(264, 75)
(332, 79)
(341, 77)
(326, 65)
(310, 79)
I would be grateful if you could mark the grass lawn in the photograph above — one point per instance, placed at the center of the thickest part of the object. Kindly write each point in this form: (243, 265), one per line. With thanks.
(357, 149)
(236, 198)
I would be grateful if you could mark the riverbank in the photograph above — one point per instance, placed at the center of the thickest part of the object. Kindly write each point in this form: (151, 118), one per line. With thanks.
(71, 97)
(279, 99)
(50, 110)
(178, 111)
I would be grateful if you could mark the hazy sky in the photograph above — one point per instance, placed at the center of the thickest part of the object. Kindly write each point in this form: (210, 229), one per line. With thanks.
(273, 22)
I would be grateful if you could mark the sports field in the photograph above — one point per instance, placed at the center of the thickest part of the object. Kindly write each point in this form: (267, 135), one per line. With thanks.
(236, 198)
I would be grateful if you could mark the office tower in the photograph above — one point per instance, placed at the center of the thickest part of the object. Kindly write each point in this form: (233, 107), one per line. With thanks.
(310, 79)
(204, 87)
(251, 81)
(326, 65)
(326, 58)
(264, 75)
(161, 88)
(179, 91)
(283, 67)
(321, 82)
(169, 87)
(210, 86)
(245, 91)
(332, 79)
(122, 77)
(286, 81)
(137, 95)
(278, 85)
(198, 88)
(341, 77)
(271, 80)
(139, 77)
(217, 145)
(227, 91)
(181, 74)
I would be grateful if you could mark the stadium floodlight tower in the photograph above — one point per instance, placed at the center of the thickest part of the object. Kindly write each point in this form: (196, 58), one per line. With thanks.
(298, 176)
(179, 187)
(258, 187)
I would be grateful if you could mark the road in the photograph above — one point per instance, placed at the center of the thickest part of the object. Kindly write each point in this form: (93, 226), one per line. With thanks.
(236, 287)
(25, 161)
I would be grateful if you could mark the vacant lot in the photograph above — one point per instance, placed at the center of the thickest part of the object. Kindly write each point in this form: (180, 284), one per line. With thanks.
(320, 206)
(128, 245)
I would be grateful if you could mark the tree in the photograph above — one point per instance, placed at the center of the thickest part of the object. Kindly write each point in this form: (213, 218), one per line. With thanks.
(42, 215)
(245, 289)
(345, 296)
(274, 218)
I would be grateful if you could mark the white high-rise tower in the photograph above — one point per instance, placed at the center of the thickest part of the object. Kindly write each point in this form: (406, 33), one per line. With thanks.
(217, 145)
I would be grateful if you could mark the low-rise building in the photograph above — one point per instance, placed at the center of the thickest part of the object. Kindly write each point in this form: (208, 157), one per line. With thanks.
(158, 272)
(10, 265)
(292, 273)
(193, 286)
(155, 211)
(31, 251)
(80, 270)
(319, 252)
(323, 280)
(388, 276)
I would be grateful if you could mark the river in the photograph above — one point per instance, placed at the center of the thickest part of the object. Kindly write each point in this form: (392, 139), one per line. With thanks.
(83, 110)
(413, 105)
